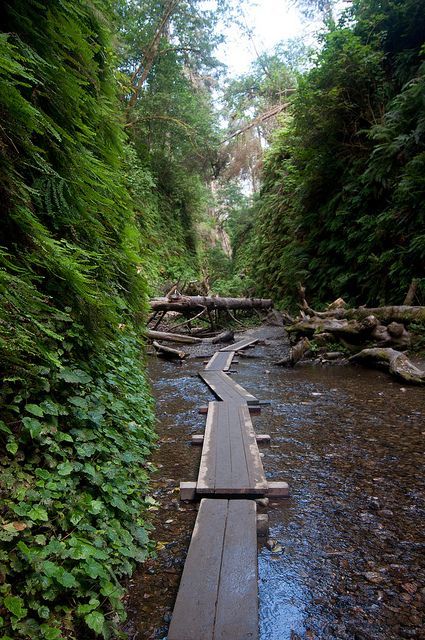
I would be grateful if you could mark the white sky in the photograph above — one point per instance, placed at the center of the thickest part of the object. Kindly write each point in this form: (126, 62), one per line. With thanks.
(270, 21)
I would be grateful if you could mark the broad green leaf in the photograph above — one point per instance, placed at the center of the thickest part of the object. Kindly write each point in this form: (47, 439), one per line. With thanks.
(35, 409)
(78, 401)
(74, 376)
(38, 513)
(65, 468)
(15, 605)
(33, 425)
(4, 428)
(43, 612)
(96, 506)
(12, 446)
(50, 633)
(95, 621)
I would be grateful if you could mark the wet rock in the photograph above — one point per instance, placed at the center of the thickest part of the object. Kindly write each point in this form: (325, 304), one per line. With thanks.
(373, 577)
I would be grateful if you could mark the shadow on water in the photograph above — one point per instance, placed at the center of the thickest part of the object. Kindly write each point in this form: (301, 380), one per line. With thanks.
(350, 443)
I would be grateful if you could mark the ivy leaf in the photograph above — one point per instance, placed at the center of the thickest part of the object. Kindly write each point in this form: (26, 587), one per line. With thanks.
(95, 621)
(15, 605)
(38, 513)
(35, 409)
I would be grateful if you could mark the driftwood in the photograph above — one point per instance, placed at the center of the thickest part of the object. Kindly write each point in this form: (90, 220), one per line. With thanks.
(167, 352)
(172, 337)
(196, 303)
(395, 362)
(295, 354)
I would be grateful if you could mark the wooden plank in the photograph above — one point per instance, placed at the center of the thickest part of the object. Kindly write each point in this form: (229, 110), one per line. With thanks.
(232, 467)
(207, 467)
(242, 344)
(230, 461)
(237, 604)
(221, 361)
(218, 594)
(195, 608)
(225, 388)
(255, 466)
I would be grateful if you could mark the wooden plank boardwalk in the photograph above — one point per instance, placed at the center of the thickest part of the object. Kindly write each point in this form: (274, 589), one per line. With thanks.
(218, 598)
(218, 594)
(221, 361)
(242, 344)
(225, 388)
(230, 461)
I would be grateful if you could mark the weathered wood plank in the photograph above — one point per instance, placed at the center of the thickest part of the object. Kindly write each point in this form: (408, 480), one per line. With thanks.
(207, 467)
(221, 361)
(237, 603)
(195, 608)
(218, 596)
(252, 454)
(225, 388)
(242, 344)
(230, 461)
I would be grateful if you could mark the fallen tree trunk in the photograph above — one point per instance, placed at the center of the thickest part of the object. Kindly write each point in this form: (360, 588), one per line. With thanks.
(355, 332)
(192, 303)
(225, 336)
(402, 313)
(167, 352)
(172, 337)
(395, 362)
(295, 354)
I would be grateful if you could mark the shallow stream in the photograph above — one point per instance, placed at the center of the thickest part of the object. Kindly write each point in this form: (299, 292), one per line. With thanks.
(350, 560)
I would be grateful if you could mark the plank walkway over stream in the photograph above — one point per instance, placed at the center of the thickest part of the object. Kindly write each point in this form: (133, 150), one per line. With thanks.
(218, 593)
(217, 598)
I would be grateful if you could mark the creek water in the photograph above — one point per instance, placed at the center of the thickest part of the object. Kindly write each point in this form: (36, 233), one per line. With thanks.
(347, 558)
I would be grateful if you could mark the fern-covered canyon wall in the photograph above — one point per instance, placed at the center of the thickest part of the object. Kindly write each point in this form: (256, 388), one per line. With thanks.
(341, 206)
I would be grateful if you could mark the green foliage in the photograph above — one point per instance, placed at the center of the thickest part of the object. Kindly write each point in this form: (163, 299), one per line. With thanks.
(342, 204)
(76, 422)
(74, 489)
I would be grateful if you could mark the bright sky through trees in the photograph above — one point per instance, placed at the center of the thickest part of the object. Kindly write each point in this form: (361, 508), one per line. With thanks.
(268, 22)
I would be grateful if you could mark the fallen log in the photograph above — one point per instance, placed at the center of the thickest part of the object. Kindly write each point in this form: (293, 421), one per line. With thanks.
(193, 303)
(172, 337)
(355, 332)
(402, 313)
(395, 362)
(225, 336)
(167, 352)
(295, 354)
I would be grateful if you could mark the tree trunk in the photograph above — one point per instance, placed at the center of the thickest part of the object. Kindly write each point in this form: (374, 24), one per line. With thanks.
(401, 313)
(172, 337)
(395, 362)
(192, 303)
(170, 354)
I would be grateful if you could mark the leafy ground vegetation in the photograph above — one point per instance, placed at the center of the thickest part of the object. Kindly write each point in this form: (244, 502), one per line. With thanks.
(341, 206)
